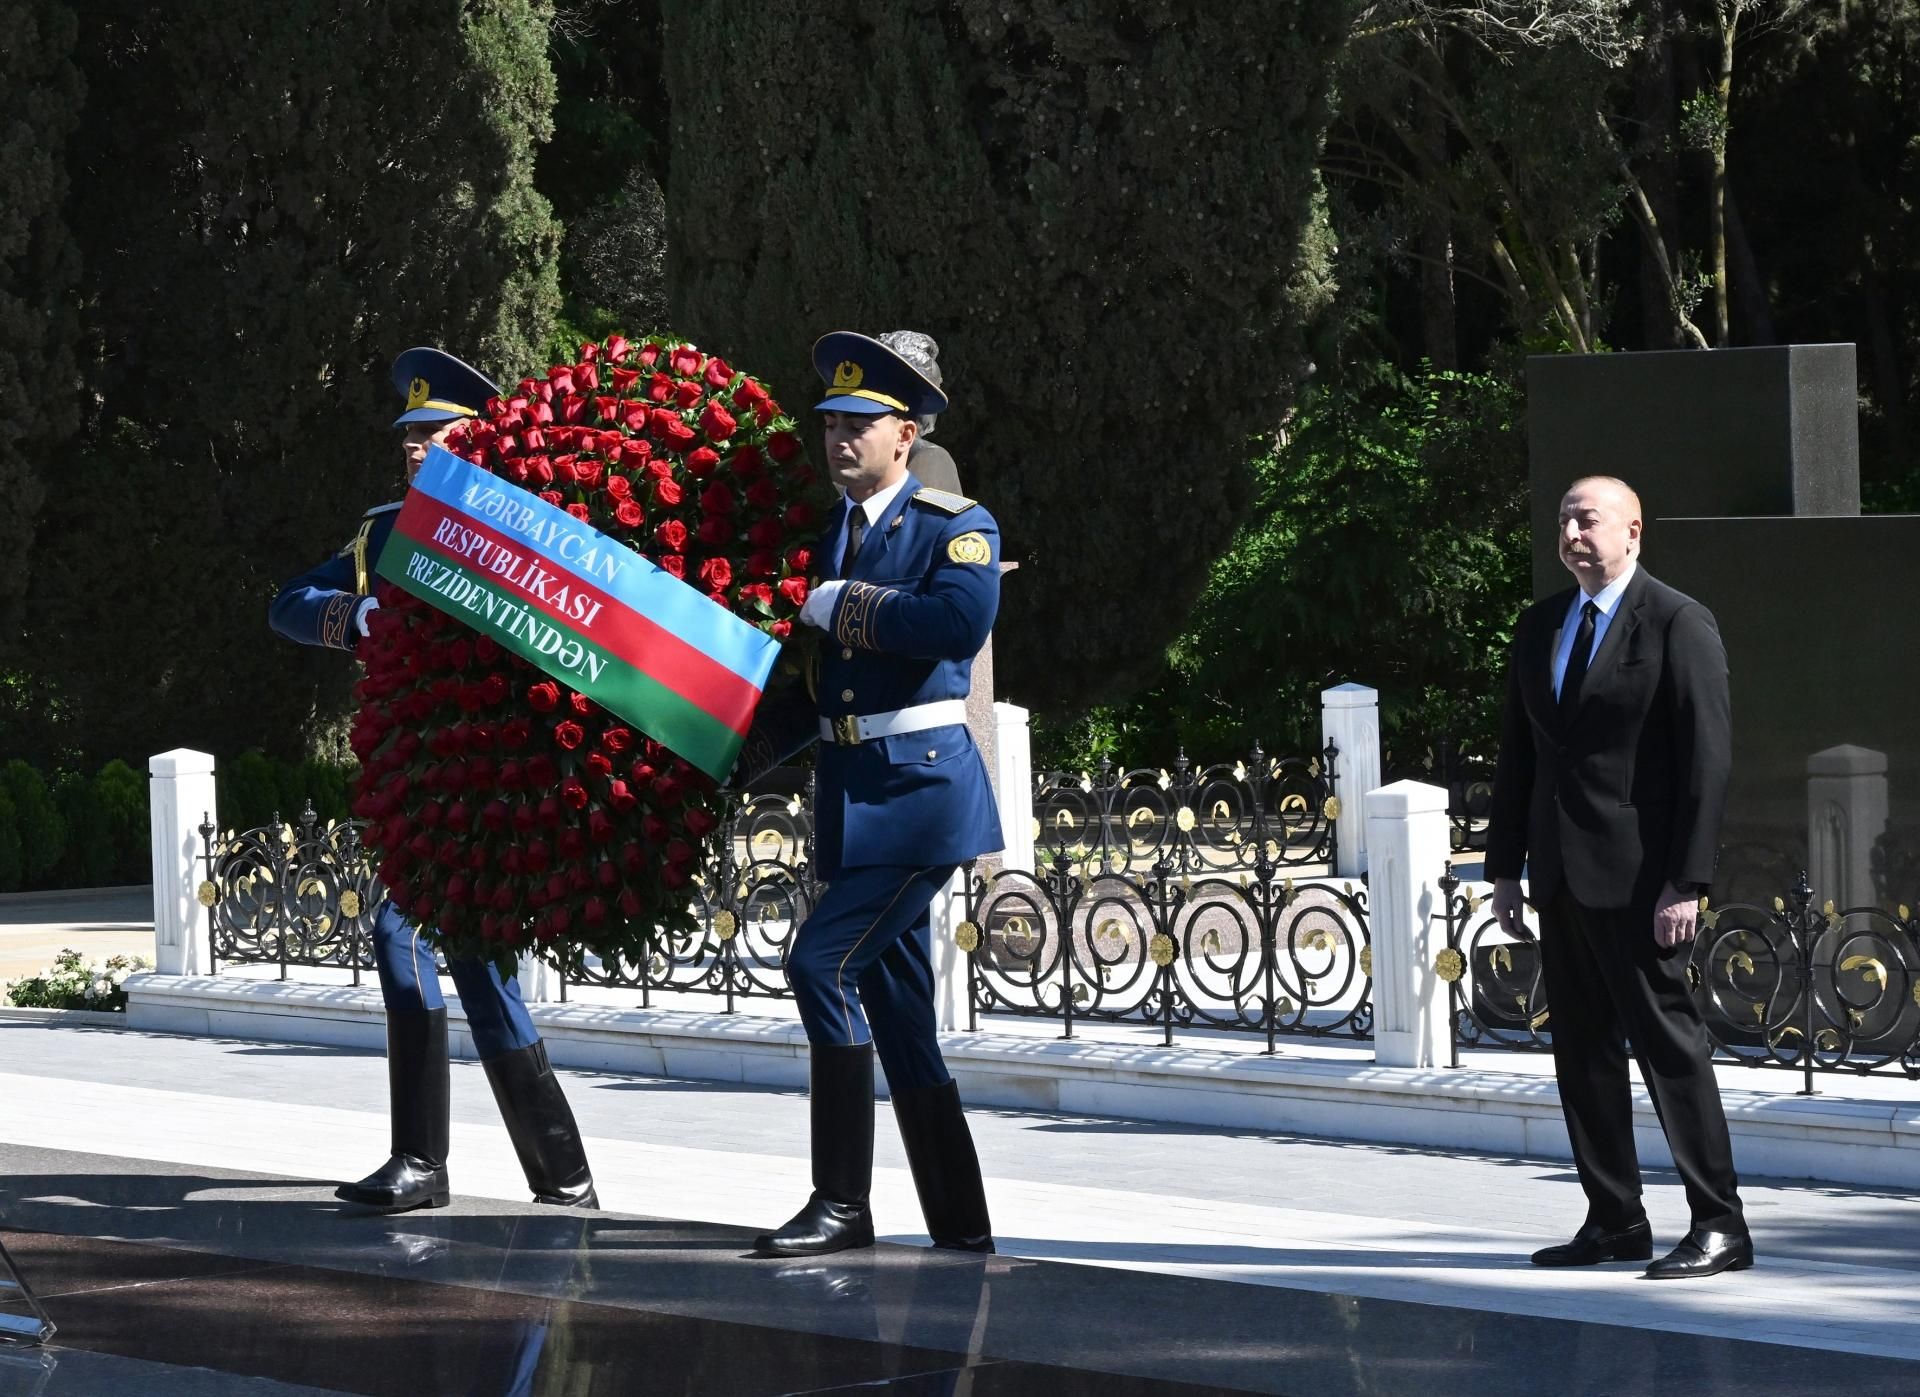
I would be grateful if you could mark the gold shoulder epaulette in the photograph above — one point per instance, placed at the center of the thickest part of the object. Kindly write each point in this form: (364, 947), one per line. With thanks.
(942, 500)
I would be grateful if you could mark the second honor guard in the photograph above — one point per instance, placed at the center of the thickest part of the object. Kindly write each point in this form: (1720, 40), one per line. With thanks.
(329, 606)
(902, 800)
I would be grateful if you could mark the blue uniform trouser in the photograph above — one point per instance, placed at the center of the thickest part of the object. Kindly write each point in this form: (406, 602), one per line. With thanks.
(496, 1015)
(862, 969)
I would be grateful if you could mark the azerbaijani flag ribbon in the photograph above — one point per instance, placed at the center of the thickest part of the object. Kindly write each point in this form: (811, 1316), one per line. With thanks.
(583, 607)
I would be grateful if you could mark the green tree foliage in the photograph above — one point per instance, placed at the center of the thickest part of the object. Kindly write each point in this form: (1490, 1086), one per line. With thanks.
(124, 798)
(43, 834)
(1098, 212)
(89, 860)
(270, 201)
(1387, 546)
(40, 97)
(12, 870)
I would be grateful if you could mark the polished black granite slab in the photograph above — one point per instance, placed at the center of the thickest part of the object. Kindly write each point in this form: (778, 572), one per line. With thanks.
(271, 1278)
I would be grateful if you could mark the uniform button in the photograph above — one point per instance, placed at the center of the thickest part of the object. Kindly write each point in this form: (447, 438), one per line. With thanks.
(846, 696)
(846, 652)
(931, 754)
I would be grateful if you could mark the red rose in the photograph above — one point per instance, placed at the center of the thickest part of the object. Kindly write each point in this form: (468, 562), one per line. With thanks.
(674, 565)
(574, 793)
(764, 563)
(552, 497)
(763, 493)
(746, 461)
(569, 735)
(800, 559)
(650, 355)
(595, 912)
(716, 574)
(624, 379)
(680, 852)
(629, 514)
(686, 361)
(544, 696)
(716, 532)
(598, 764)
(620, 796)
(589, 472)
(619, 487)
(678, 435)
(580, 512)
(783, 446)
(757, 592)
(599, 827)
(581, 703)
(540, 470)
(799, 515)
(701, 822)
(718, 498)
(718, 374)
(630, 904)
(794, 589)
(671, 535)
(702, 460)
(668, 494)
(541, 772)
(767, 533)
(717, 422)
(617, 348)
(586, 377)
(617, 739)
(780, 630)
(659, 388)
(659, 468)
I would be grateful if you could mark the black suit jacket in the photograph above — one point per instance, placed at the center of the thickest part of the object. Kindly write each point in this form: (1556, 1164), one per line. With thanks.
(1624, 794)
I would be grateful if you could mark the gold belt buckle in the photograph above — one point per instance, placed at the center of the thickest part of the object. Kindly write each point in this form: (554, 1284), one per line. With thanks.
(846, 730)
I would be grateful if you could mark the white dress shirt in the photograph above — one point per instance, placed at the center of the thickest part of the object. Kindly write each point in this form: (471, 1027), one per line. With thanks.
(818, 610)
(1605, 604)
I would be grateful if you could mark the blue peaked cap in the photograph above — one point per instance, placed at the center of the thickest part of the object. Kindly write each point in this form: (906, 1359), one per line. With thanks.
(439, 388)
(863, 375)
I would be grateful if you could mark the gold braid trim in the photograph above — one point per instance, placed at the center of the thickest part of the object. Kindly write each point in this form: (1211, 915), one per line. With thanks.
(335, 621)
(360, 582)
(858, 608)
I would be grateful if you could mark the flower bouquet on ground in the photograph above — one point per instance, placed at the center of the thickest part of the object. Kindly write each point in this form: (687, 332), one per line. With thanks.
(509, 811)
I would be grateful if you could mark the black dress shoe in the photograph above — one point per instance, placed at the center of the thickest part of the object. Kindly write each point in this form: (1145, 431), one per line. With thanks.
(824, 1225)
(1593, 1244)
(1704, 1253)
(400, 1185)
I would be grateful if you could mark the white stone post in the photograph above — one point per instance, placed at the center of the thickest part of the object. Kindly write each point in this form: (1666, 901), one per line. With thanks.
(180, 799)
(1846, 815)
(949, 961)
(1013, 784)
(539, 982)
(1350, 722)
(1409, 840)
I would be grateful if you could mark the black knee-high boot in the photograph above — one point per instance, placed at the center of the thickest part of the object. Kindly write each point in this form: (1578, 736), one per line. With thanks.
(417, 1087)
(540, 1123)
(836, 1217)
(946, 1171)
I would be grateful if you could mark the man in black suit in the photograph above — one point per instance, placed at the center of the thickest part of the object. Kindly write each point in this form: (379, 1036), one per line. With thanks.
(1615, 748)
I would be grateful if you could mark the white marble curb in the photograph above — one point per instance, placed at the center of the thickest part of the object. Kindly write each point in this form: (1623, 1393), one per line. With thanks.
(1831, 1136)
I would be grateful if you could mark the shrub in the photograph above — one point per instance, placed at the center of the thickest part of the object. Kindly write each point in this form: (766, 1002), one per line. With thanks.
(43, 834)
(90, 858)
(121, 793)
(72, 982)
(9, 844)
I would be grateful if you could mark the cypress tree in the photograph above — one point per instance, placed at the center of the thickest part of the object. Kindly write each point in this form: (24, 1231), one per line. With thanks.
(1099, 213)
(40, 98)
(271, 202)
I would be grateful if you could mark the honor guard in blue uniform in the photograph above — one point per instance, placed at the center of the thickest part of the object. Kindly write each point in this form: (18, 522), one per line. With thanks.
(329, 606)
(913, 582)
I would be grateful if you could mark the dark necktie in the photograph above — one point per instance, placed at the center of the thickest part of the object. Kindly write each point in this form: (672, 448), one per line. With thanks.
(1577, 662)
(856, 535)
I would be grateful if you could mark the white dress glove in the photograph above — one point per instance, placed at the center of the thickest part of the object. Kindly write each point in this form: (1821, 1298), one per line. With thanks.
(817, 610)
(364, 610)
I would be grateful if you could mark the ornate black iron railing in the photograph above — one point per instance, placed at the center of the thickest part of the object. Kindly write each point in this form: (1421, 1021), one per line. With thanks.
(1255, 951)
(754, 889)
(1220, 818)
(1786, 984)
(1468, 781)
(290, 895)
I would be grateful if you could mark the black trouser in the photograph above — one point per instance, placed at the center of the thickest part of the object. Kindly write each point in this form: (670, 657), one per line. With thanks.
(1610, 983)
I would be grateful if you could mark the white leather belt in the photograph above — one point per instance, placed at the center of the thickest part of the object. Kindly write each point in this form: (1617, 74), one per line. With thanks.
(864, 727)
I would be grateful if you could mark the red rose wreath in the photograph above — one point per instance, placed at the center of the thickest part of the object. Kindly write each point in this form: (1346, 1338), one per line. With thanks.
(507, 810)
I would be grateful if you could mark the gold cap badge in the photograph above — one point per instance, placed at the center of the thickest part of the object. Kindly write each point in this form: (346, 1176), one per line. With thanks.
(970, 548)
(417, 393)
(848, 375)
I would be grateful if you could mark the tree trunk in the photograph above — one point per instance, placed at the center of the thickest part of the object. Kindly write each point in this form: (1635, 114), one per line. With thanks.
(1654, 103)
(1729, 13)
(1439, 330)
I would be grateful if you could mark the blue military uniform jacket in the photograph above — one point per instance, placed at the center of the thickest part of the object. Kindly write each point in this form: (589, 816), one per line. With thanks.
(917, 607)
(317, 607)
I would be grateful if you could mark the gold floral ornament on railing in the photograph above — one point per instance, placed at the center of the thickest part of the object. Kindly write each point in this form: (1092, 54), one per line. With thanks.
(967, 937)
(725, 924)
(1449, 965)
(1161, 950)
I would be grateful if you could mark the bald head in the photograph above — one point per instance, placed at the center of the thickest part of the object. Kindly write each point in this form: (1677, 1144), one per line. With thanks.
(1600, 530)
